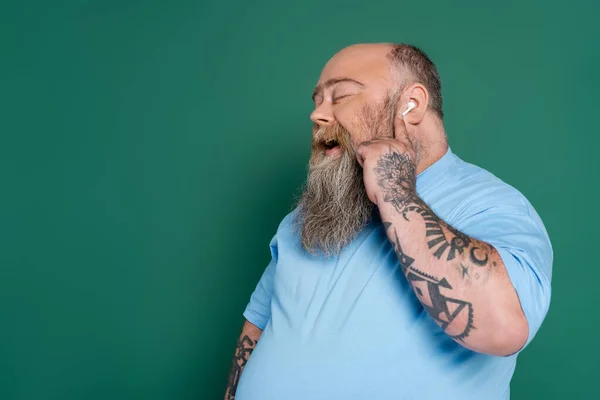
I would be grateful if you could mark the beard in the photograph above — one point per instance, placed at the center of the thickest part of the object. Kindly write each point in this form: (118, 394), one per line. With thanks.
(334, 206)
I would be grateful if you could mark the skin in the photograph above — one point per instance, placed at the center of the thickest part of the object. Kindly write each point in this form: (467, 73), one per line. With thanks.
(461, 281)
(245, 345)
(342, 102)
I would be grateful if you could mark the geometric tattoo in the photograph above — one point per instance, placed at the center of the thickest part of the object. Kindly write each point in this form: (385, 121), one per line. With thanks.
(396, 177)
(435, 232)
(244, 348)
(454, 316)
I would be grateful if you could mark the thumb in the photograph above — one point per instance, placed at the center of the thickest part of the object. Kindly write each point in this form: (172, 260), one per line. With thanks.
(400, 131)
(361, 151)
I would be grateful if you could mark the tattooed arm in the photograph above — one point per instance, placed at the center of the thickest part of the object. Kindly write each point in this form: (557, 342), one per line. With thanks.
(245, 345)
(461, 281)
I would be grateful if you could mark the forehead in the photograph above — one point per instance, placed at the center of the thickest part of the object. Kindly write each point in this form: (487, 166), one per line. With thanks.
(365, 63)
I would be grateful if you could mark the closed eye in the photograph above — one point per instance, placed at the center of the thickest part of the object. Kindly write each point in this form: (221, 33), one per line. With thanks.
(338, 98)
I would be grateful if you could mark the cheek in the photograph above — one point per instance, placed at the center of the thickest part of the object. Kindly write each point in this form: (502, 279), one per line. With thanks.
(349, 118)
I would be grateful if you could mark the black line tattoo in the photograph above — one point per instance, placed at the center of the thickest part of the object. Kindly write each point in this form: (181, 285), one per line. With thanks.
(464, 270)
(437, 230)
(454, 316)
(396, 177)
(405, 261)
(480, 262)
(244, 348)
(473, 273)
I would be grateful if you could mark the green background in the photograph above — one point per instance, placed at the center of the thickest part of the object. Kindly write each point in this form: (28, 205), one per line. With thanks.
(149, 150)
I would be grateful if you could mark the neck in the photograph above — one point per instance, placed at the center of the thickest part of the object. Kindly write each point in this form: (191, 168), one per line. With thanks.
(432, 141)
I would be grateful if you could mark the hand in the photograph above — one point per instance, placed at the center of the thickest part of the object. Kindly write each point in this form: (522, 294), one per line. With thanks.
(389, 168)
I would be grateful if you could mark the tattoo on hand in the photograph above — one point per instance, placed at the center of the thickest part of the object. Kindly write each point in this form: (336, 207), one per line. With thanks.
(397, 178)
(244, 348)
(454, 316)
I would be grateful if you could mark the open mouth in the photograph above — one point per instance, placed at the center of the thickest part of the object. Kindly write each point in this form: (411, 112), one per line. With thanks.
(331, 146)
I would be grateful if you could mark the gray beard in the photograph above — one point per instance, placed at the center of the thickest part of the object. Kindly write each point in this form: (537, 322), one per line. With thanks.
(334, 206)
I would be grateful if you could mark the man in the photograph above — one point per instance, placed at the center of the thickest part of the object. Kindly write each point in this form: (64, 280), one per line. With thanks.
(404, 272)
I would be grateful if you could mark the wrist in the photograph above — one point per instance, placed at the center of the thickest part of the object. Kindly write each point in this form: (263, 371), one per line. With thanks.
(398, 202)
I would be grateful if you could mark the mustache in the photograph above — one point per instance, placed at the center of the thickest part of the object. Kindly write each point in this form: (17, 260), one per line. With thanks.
(329, 136)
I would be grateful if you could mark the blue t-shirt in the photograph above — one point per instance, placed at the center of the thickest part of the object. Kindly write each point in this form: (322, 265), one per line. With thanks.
(350, 327)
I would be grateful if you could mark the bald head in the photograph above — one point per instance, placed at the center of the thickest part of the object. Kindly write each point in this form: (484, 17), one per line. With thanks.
(360, 60)
(386, 67)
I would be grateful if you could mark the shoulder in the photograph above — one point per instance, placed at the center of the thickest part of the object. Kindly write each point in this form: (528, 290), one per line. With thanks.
(287, 229)
(474, 200)
(483, 205)
(289, 221)
(475, 189)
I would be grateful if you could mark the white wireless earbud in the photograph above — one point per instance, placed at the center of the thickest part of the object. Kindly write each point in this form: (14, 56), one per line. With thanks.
(411, 105)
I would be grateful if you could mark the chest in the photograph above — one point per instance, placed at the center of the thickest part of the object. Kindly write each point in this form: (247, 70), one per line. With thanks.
(362, 292)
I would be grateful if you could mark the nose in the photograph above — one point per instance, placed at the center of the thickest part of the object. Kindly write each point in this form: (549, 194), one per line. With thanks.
(322, 114)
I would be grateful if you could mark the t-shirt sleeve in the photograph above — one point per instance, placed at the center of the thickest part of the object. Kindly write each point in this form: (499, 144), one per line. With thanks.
(258, 310)
(519, 236)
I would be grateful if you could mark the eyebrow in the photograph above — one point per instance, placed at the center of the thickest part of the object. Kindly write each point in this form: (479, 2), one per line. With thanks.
(333, 81)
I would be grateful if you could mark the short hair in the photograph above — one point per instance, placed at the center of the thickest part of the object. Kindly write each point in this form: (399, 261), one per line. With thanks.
(420, 69)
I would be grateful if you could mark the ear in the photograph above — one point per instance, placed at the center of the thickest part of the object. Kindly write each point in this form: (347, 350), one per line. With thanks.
(417, 93)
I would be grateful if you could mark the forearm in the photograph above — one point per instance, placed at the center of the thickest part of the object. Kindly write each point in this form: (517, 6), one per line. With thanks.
(461, 281)
(245, 345)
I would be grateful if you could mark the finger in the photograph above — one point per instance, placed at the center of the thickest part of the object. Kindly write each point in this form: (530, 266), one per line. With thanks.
(361, 151)
(400, 131)
(384, 137)
(377, 140)
(391, 144)
(374, 141)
